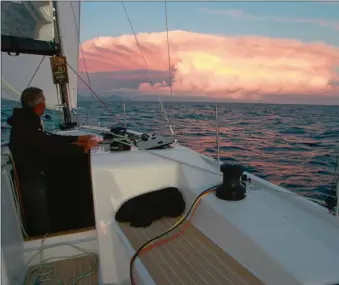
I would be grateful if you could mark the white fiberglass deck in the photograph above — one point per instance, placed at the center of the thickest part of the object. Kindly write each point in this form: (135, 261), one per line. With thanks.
(280, 238)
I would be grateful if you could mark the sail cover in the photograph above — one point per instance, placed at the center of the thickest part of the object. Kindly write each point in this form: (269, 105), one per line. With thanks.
(19, 72)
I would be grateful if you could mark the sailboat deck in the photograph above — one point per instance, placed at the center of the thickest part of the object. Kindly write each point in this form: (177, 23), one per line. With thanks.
(67, 271)
(189, 259)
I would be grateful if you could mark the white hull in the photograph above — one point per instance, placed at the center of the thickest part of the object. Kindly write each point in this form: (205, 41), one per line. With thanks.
(279, 237)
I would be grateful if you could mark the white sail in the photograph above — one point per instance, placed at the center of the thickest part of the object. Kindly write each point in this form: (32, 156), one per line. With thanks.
(17, 71)
(30, 20)
(69, 25)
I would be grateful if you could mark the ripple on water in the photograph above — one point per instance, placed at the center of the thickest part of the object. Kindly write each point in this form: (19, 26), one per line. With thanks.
(286, 144)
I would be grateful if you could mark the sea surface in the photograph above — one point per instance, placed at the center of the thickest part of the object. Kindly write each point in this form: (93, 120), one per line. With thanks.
(289, 145)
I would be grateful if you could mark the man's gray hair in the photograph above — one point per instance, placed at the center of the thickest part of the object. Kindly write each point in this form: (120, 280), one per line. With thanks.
(31, 97)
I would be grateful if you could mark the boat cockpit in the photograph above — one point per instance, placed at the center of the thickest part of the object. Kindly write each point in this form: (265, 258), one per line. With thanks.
(263, 238)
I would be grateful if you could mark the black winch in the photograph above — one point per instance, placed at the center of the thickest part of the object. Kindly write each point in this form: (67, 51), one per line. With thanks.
(233, 187)
(120, 140)
(331, 202)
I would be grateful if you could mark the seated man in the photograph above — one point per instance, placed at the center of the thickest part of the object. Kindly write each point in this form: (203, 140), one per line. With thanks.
(32, 149)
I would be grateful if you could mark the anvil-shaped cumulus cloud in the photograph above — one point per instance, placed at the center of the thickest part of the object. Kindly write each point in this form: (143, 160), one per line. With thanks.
(212, 65)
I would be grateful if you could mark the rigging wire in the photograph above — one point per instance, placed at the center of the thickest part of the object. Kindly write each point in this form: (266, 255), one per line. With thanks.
(36, 70)
(146, 65)
(13, 92)
(168, 53)
(169, 57)
(16, 95)
(89, 83)
(136, 39)
(89, 86)
(81, 49)
(97, 96)
(288, 193)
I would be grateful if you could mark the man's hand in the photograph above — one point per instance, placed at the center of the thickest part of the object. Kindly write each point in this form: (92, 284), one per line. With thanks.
(87, 142)
(85, 138)
(90, 143)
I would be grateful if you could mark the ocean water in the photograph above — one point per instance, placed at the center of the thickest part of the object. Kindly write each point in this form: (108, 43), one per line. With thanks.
(289, 145)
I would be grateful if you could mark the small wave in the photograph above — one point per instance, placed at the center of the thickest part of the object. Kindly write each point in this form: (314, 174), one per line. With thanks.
(293, 130)
(314, 144)
(286, 144)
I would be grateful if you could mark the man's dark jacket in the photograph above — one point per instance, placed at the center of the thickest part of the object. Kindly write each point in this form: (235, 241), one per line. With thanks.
(32, 148)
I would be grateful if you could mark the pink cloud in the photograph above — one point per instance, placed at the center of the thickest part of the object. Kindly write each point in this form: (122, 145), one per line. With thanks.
(215, 66)
(241, 15)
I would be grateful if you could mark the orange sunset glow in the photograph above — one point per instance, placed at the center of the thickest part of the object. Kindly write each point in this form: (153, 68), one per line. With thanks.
(217, 66)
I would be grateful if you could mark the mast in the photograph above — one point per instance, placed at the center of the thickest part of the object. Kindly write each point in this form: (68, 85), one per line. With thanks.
(63, 86)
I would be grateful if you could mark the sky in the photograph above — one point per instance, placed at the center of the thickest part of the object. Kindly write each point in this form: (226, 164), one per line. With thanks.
(282, 52)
